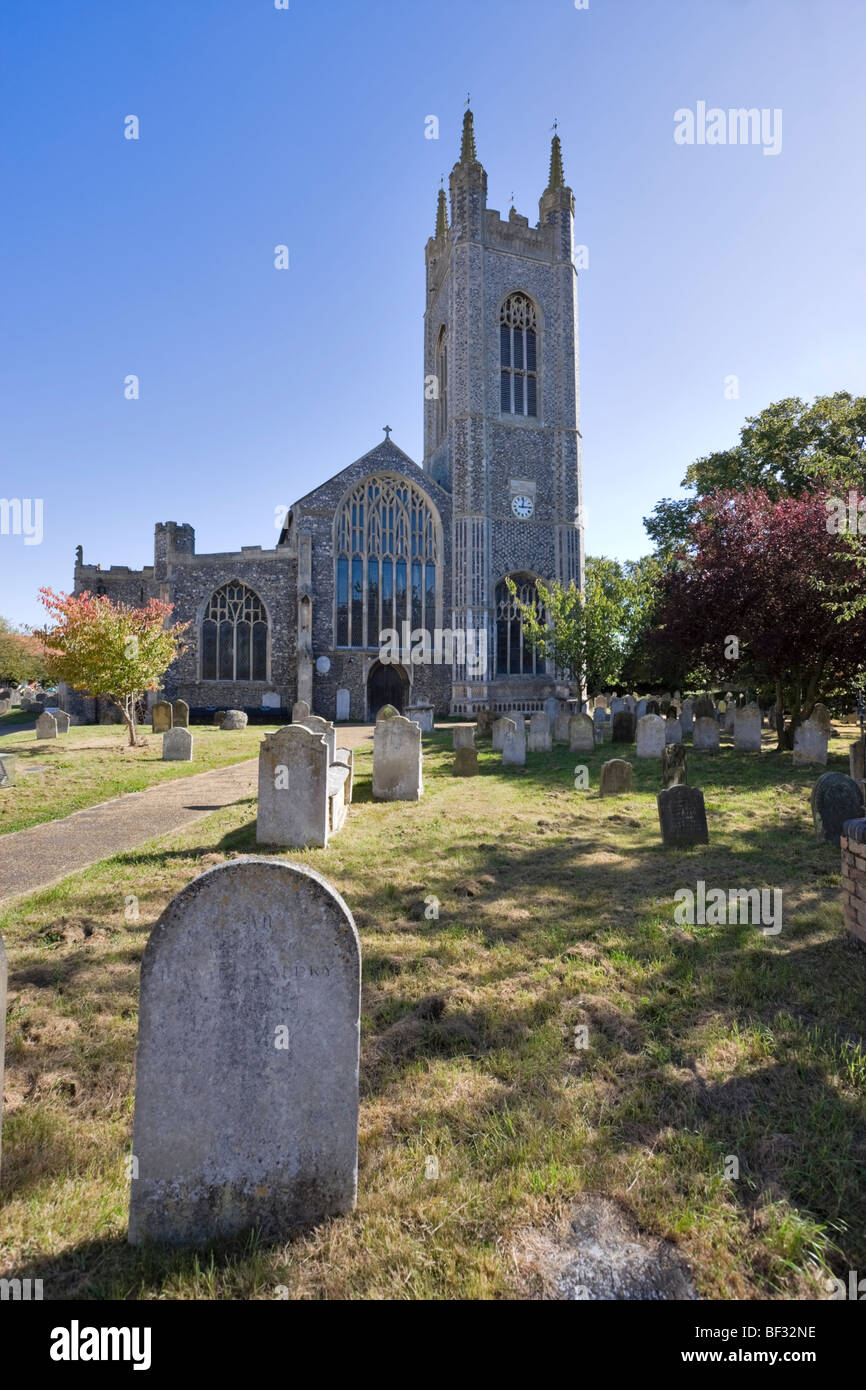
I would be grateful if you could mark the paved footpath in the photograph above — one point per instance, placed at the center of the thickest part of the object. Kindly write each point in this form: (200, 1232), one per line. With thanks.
(43, 854)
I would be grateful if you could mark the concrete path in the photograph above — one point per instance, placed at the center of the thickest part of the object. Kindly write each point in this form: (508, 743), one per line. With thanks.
(43, 854)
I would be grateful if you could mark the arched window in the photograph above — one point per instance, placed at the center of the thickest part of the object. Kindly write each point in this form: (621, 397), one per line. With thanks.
(234, 636)
(514, 656)
(386, 555)
(442, 382)
(518, 356)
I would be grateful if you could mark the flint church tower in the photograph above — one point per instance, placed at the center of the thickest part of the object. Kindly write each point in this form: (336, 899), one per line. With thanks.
(502, 415)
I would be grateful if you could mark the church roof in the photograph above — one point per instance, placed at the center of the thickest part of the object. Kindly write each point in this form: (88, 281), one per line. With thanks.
(384, 457)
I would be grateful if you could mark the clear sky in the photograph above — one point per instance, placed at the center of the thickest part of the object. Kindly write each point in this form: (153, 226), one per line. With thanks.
(306, 127)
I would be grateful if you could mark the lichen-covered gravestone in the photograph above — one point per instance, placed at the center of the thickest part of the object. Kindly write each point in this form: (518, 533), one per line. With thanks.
(683, 816)
(397, 759)
(810, 744)
(514, 743)
(46, 726)
(465, 761)
(180, 714)
(540, 740)
(615, 777)
(234, 720)
(835, 799)
(623, 726)
(674, 766)
(705, 737)
(293, 788)
(650, 736)
(581, 735)
(246, 1086)
(163, 716)
(177, 745)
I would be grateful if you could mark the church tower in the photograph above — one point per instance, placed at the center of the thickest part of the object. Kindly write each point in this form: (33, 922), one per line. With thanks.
(501, 413)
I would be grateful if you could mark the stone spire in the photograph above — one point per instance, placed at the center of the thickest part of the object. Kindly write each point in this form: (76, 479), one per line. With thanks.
(557, 176)
(441, 215)
(556, 205)
(468, 153)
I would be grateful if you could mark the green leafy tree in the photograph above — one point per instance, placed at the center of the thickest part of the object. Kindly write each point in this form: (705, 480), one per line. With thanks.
(580, 633)
(21, 657)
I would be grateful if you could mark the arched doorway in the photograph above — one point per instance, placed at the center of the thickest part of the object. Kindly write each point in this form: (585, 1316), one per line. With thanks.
(386, 685)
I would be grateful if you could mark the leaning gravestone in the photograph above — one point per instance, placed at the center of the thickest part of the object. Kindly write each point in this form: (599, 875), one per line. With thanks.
(747, 729)
(46, 726)
(2, 1039)
(300, 710)
(706, 735)
(466, 761)
(615, 777)
(397, 759)
(539, 733)
(674, 766)
(7, 769)
(857, 760)
(180, 714)
(683, 816)
(293, 788)
(650, 736)
(810, 744)
(835, 799)
(162, 716)
(500, 727)
(234, 720)
(623, 726)
(177, 745)
(514, 744)
(246, 1077)
(463, 737)
(581, 734)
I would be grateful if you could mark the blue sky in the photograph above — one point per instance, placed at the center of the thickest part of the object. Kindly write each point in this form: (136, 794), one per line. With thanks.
(306, 127)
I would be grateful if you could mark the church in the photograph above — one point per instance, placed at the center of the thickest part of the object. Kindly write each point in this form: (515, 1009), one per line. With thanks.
(390, 547)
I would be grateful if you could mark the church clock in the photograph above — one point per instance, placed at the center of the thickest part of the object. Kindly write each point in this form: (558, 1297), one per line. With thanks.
(522, 506)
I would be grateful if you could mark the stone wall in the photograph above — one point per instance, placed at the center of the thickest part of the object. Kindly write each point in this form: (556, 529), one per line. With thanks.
(854, 880)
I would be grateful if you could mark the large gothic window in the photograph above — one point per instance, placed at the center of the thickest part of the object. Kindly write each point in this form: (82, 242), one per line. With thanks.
(514, 656)
(518, 356)
(386, 556)
(234, 636)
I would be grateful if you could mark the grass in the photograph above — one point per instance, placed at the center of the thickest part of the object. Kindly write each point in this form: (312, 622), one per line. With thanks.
(555, 910)
(93, 763)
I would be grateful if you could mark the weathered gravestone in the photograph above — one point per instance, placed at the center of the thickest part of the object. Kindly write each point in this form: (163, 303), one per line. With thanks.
(162, 716)
(650, 736)
(177, 745)
(300, 710)
(747, 729)
(46, 726)
(835, 799)
(705, 737)
(674, 766)
(551, 709)
(560, 728)
(640, 708)
(7, 769)
(324, 728)
(466, 761)
(180, 714)
(673, 730)
(5, 705)
(293, 788)
(219, 717)
(234, 720)
(687, 716)
(821, 716)
(344, 700)
(857, 760)
(581, 734)
(500, 727)
(463, 737)
(396, 759)
(422, 715)
(683, 816)
(616, 706)
(246, 1078)
(2, 1039)
(615, 777)
(61, 719)
(623, 726)
(810, 744)
(539, 733)
(483, 722)
(514, 743)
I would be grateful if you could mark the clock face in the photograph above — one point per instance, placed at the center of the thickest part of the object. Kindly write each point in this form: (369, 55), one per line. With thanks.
(522, 506)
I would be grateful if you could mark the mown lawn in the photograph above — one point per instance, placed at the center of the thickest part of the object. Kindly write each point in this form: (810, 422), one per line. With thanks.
(555, 910)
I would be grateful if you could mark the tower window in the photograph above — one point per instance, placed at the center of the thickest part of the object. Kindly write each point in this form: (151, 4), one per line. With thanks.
(514, 656)
(518, 356)
(442, 385)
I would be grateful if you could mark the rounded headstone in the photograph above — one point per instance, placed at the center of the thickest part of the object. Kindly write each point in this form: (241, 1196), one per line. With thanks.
(836, 798)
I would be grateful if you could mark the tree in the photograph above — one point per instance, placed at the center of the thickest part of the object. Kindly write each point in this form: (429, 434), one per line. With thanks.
(21, 656)
(581, 633)
(758, 595)
(109, 649)
(788, 450)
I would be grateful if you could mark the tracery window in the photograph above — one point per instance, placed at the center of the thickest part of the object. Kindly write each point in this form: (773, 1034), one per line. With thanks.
(518, 356)
(386, 557)
(234, 636)
(514, 656)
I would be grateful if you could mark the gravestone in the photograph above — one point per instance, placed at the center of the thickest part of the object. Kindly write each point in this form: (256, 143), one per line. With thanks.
(551, 709)
(703, 707)
(623, 726)
(162, 716)
(821, 716)
(62, 720)
(466, 761)
(180, 714)
(344, 701)
(539, 733)
(246, 1076)
(630, 703)
(387, 712)
(706, 735)
(687, 716)
(293, 788)
(616, 705)
(835, 799)
(177, 745)
(683, 816)
(810, 744)
(325, 729)
(500, 727)
(5, 704)
(857, 760)
(560, 730)
(397, 760)
(640, 709)
(514, 743)
(7, 769)
(422, 715)
(300, 710)
(463, 737)
(673, 730)
(650, 736)
(674, 766)
(219, 717)
(581, 734)
(46, 726)
(615, 777)
(271, 699)
(234, 720)
(3, 974)
(483, 722)
(747, 729)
